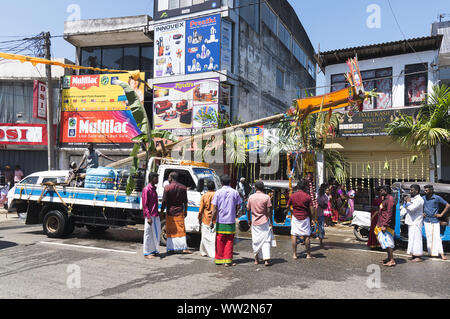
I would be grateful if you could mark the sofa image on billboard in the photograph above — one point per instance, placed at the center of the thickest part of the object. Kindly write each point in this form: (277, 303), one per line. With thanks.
(186, 116)
(162, 106)
(182, 106)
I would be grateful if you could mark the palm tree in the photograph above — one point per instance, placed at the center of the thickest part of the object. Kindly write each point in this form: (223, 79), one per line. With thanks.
(429, 128)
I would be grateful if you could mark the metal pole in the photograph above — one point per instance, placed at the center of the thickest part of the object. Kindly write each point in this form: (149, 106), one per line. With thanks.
(50, 131)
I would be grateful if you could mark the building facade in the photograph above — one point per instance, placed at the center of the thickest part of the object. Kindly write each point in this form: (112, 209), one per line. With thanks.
(242, 58)
(23, 128)
(402, 73)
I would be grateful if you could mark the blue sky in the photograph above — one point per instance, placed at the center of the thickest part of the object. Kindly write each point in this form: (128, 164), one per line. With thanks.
(333, 24)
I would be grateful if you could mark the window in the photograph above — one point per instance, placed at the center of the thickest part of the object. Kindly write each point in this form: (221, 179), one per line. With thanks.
(131, 58)
(184, 178)
(174, 4)
(147, 59)
(312, 69)
(416, 83)
(30, 180)
(280, 78)
(250, 13)
(269, 18)
(91, 57)
(112, 58)
(284, 35)
(380, 79)
(299, 53)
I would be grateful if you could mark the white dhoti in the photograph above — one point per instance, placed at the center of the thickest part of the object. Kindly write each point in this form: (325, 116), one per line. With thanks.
(415, 240)
(300, 227)
(152, 236)
(262, 240)
(176, 244)
(208, 242)
(434, 241)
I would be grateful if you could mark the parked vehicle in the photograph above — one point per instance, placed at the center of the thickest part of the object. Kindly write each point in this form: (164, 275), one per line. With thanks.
(62, 208)
(402, 189)
(361, 224)
(279, 191)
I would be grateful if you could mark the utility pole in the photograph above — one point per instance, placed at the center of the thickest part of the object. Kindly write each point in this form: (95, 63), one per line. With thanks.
(50, 131)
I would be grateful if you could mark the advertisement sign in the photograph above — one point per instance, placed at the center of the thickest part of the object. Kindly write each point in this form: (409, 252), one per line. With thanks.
(255, 136)
(104, 128)
(186, 105)
(97, 93)
(203, 45)
(39, 100)
(170, 48)
(226, 44)
(23, 134)
(164, 9)
(370, 123)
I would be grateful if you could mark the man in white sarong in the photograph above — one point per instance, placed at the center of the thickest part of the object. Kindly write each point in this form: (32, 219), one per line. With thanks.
(260, 206)
(431, 203)
(413, 212)
(208, 242)
(152, 230)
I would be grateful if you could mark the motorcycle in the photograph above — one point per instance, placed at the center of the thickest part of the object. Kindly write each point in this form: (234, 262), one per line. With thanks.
(361, 224)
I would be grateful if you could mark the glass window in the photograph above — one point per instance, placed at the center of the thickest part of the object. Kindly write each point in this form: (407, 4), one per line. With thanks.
(174, 4)
(312, 69)
(416, 83)
(250, 13)
(269, 18)
(284, 35)
(380, 79)
(198, 2)
(30, 180)
(131, 58)
(147, 59)
(185, 3)
(280, 78)
(112, 58)
(91, 57)
(163, 5)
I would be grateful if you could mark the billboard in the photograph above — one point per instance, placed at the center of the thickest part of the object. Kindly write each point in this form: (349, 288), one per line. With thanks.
(39, 100)
(170, 48)
(94, 110)
(203, 44)
(23, 134)
(181, 106)
(164, 9)
(104, 128)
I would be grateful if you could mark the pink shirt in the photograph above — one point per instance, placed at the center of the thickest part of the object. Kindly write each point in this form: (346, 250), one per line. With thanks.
(259, 203)
(150, 201)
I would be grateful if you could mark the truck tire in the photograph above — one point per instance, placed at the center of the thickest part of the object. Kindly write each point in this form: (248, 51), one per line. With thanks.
(54, 224)
(70, 227)
(361, 234)
(97, 229)
(163, 237)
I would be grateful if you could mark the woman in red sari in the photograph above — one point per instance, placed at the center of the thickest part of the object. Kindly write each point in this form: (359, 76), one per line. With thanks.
(373, 242)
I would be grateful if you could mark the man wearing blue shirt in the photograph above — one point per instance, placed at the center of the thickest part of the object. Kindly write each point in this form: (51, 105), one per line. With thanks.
(431, 214)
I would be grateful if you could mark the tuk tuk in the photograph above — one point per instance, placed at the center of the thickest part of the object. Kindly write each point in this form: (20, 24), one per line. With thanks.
(279, 192)
(401, 190)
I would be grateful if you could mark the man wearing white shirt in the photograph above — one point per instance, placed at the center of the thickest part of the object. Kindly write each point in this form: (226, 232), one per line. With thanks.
(413, 212)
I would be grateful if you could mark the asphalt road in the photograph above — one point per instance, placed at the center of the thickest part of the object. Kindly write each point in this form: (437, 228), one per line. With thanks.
(87, 266)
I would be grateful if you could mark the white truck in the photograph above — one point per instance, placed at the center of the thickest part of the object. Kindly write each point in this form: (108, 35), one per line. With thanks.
(41, 200)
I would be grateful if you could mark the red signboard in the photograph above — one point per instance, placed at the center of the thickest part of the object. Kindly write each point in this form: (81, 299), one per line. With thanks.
(23, 134)
(40, 100)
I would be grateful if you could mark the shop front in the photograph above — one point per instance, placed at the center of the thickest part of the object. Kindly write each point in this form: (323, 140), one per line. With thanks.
(374, 158)
(24, 145)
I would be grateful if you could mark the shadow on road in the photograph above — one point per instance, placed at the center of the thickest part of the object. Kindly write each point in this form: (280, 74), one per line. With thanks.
(7, 244)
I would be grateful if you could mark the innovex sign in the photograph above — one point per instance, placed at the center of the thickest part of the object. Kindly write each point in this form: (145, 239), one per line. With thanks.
(84, 82)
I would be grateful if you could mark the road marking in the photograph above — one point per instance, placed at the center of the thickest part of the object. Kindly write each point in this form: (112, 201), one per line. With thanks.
(87, 247)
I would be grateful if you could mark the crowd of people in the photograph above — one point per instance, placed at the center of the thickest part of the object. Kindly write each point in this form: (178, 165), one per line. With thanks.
(8, 178)
(310, 215)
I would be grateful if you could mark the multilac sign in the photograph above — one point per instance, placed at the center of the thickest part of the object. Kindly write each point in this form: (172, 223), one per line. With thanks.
(23, 134)
(40, 100)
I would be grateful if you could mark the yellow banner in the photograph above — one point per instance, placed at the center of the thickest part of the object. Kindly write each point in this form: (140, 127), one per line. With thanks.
(97, 93)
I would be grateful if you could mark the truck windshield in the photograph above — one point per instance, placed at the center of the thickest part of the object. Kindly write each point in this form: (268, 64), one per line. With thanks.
(207, 175)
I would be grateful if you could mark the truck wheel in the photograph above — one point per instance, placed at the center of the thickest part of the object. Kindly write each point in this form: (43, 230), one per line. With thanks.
(54, 224)
(361, 234)
(70, 227)
(97, 229)
(163, 237)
